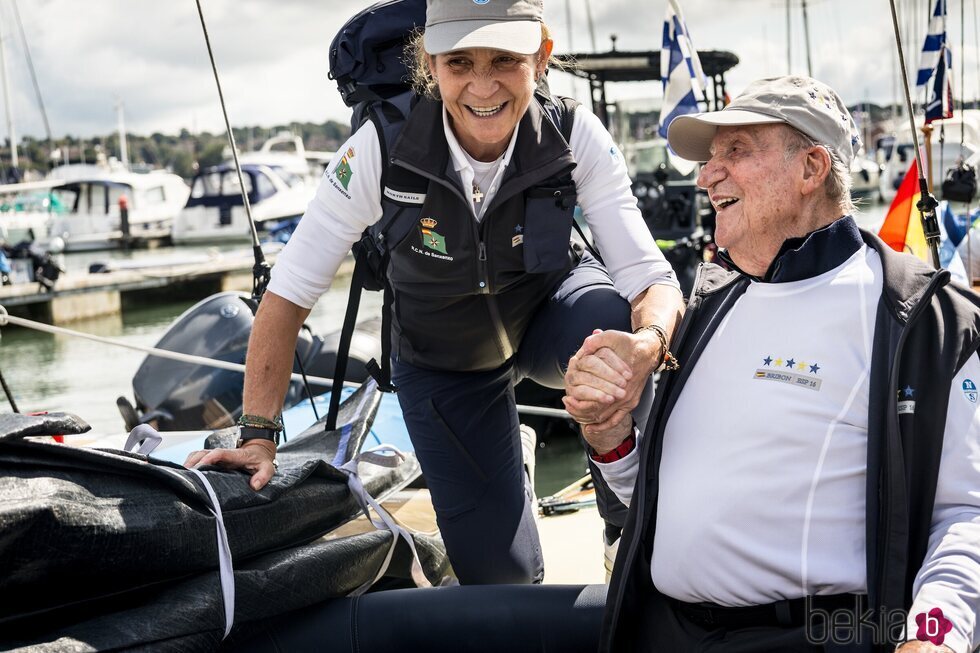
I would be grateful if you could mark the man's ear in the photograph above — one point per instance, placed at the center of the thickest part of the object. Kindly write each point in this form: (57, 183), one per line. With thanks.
(816, 168)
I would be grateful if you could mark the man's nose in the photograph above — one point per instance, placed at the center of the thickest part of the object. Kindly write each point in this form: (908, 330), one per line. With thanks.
(711, 173)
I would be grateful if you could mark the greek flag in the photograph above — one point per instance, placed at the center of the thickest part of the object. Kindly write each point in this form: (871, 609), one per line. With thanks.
(935, 41)
(940, 105)
(680, 69)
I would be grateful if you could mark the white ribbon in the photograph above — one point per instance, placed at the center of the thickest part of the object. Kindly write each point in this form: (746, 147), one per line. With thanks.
(146, 434)
(375, 457)
(225, 571)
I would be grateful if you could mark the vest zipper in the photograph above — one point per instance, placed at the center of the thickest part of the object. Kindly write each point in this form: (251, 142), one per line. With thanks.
(482, 265)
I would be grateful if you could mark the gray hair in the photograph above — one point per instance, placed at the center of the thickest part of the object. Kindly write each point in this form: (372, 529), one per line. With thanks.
(838, 183)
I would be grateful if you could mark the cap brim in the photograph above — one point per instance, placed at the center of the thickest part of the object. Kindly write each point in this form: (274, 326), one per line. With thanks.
(690, 136)
(520, 36)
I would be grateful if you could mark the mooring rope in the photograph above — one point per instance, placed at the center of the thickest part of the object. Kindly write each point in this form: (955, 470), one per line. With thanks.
(6, 318)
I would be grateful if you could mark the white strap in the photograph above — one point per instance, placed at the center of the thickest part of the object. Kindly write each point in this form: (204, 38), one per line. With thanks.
(149, 436)
(374, 456)
(225, 571)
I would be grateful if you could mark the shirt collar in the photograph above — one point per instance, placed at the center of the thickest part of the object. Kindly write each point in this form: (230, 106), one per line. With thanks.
(456, 150)
(810, 255)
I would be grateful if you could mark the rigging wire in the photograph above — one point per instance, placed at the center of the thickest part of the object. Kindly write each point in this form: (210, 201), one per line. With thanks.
(261, 270)
(10, 395)
(30, 67)
(6, 319)
(927, 203)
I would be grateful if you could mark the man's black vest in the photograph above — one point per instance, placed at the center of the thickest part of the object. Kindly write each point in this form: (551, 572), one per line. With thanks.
(465, 291)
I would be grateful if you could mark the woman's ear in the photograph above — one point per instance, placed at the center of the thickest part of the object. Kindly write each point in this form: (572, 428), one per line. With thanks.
(543, 55)
(430, 63)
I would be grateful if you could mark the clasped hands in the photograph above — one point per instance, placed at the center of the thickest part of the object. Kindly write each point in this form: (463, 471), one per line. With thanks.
(604, 382)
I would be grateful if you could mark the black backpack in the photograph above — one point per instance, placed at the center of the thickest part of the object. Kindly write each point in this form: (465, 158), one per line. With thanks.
(367, 63)
(960, 184)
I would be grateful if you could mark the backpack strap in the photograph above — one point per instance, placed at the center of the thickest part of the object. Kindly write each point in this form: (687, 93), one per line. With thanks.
(388, 116)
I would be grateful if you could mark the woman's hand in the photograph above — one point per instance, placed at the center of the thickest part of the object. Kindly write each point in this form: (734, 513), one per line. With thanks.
(605, 378)
(255, 457)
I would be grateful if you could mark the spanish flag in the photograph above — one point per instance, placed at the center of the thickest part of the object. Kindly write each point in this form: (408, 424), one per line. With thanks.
(902, 228)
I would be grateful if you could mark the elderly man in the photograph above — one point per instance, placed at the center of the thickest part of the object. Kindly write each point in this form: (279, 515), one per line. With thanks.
(810, 477)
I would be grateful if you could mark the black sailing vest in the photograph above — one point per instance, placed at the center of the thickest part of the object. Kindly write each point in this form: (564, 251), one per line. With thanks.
(465, 291)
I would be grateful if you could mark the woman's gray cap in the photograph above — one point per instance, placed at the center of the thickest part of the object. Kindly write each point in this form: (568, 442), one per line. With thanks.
(512, 25)
(809, 106)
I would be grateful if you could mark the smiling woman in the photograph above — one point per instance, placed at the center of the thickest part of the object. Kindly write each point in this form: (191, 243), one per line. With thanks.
(474, 189)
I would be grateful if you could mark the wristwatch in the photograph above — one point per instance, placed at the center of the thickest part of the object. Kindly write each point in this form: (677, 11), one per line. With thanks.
(246, 433)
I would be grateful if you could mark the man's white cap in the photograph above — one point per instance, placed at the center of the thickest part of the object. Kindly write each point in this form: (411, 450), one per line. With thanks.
(803, 103)
(511, 25)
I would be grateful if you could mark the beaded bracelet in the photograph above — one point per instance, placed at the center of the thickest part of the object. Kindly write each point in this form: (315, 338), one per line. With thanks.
(259, 422)
(667, 361)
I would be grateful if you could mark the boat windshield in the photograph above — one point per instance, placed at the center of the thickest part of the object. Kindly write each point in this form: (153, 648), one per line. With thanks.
(219, 183)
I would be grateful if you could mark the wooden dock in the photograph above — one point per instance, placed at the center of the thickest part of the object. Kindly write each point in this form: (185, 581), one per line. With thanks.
(82, 296)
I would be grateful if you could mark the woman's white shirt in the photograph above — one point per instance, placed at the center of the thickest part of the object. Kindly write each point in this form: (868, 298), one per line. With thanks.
(340, 212)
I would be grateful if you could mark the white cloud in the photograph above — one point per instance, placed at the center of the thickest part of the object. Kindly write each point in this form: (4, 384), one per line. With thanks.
(272, 54)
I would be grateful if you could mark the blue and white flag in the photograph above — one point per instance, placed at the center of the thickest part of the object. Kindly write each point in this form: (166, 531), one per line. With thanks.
(680, 70)
(935, 40)
(940, 105)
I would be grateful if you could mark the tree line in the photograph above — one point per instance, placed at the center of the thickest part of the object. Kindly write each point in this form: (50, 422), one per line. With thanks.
(183, 153)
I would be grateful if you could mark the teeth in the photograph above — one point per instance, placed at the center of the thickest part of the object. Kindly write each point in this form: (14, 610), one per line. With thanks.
(728, 201)
(483, 112)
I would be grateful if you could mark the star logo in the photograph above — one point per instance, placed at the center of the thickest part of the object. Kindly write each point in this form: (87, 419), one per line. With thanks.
(790, 363)
(779, 362)
(909, 392)
(518, 229)
(814, 368)
(767, 361)
(801, 365)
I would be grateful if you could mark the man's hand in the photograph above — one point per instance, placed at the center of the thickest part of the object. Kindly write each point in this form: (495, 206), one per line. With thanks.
(605, 378)
(255, 457)
(604, 439)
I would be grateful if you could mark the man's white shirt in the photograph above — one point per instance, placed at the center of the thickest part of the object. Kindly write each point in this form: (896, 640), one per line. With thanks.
(763, 474)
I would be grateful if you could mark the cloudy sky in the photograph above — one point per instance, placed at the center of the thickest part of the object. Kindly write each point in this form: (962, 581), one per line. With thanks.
(272, 54)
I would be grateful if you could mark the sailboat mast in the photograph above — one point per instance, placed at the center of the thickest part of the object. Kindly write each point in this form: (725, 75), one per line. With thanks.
(789, 41)
(6, 101)
(123, 150)
(806, 36)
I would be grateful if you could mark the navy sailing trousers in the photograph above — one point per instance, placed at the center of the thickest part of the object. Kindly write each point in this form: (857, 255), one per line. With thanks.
(465, 429)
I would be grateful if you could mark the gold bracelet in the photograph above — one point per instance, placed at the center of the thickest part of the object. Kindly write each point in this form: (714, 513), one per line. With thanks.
(667, 360)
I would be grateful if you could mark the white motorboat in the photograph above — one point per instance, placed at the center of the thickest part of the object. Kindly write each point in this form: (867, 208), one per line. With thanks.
(215, 211)
(865, 177)
(26, 210)
(83, 206)
(279, 184)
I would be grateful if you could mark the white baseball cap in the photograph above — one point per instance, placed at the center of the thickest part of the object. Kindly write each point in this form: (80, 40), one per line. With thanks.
(512, 25)
(803, 103)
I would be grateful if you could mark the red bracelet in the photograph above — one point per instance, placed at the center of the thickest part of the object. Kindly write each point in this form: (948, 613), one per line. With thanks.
(624, 449)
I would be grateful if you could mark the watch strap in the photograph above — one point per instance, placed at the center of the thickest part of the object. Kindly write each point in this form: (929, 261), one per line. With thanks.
(246, 433)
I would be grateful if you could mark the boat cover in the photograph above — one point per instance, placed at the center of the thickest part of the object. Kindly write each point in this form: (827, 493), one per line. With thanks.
(106, 549)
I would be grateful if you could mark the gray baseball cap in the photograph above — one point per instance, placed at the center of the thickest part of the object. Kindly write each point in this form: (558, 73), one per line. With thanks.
(810, 106)
(512, 25)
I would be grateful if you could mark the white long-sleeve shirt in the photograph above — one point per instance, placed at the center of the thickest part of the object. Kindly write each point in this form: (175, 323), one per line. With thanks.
(339, 213)
(763, 475)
